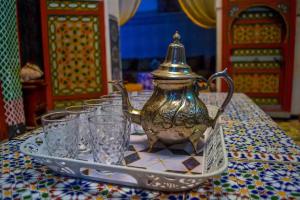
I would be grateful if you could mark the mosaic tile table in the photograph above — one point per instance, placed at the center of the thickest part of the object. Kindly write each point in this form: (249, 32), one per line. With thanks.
(264, 164)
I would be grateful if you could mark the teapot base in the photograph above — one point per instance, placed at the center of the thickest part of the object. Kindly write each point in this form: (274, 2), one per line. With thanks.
(196, 138)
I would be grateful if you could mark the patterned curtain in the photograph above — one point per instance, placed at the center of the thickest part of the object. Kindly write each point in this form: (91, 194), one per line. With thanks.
(10, 68)
(128, 9)
(201, 12)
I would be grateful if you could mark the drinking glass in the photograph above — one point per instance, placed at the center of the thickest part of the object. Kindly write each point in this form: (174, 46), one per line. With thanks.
(107, 138)
(111, 106)
(61, 134)
(138, 102)
(137, 99)
(99, 104)
(83, 112)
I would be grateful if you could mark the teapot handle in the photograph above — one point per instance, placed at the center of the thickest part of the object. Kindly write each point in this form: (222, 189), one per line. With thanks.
(222, 74)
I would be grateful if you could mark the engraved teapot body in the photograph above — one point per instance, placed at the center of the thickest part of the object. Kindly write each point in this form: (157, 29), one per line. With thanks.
(174, 113)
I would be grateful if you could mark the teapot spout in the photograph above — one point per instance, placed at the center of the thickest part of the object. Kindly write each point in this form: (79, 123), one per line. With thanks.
(133, 114)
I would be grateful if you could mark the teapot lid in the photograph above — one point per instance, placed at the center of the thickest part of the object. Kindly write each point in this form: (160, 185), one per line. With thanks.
(175, 66)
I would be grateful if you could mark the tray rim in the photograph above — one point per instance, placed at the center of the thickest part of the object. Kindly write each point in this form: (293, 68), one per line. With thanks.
(134, 169)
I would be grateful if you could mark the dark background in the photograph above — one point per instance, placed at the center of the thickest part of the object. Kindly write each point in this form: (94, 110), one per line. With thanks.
(29, 25)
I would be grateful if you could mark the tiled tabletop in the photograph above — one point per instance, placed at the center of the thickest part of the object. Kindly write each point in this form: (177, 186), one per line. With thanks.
(264, 163)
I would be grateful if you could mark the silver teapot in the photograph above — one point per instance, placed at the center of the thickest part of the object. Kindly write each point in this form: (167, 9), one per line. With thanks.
(174, 113)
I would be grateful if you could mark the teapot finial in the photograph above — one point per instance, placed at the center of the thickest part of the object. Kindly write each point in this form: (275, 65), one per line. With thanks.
(176, 37)
(174, 65)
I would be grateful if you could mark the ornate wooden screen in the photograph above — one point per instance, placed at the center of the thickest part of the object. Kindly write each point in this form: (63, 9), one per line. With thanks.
(74, 51)
(258, 48)
(11, 90)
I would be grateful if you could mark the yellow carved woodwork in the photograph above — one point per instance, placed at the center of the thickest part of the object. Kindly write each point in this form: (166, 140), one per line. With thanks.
(256, 83)
(75, 55)
(256, 33)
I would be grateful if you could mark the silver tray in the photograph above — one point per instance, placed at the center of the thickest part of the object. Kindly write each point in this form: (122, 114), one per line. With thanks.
(172, 168)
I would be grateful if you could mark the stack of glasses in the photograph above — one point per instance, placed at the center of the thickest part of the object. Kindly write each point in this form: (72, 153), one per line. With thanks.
(99, 127)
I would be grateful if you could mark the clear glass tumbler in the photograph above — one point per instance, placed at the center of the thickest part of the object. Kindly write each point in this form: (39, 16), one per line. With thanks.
(137, 99)
(107, 138)
(61, 134)
(98, 104)
(83, 112)
(111, 106)
(117, 109)
(138, 102)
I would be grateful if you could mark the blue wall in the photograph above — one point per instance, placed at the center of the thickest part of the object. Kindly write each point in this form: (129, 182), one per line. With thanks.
(148, 35)
(147, 6)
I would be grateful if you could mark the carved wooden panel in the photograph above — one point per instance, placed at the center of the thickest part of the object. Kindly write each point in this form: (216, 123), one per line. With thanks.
(258, 49)
(74, 43)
